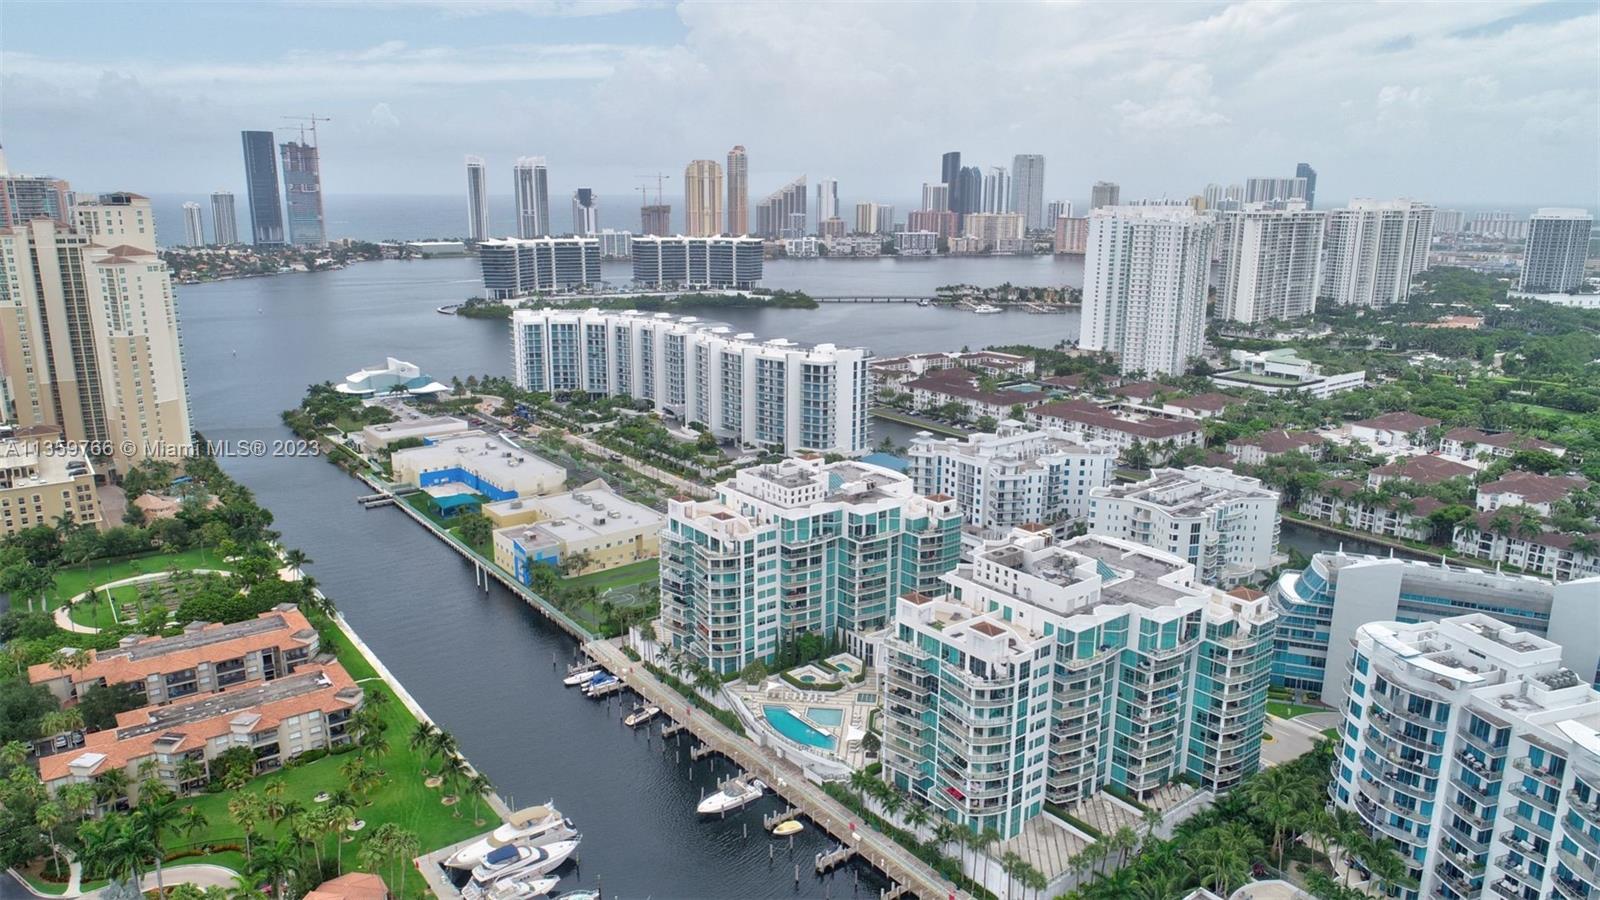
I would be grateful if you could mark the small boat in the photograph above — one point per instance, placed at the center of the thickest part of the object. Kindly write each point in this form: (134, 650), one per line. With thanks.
(984, 309)
(785, 829)
(581, 676)
(580, 895)
(640, 715)
(521, 888)
(924, 302)
(525, 826)
(527, 862)
(732, 796)
(604, 679)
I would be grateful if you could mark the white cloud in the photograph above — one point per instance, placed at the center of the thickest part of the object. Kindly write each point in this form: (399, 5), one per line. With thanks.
(383, 117)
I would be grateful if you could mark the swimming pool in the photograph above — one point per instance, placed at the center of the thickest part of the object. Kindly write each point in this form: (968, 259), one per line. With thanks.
(825, 715)
(795, 728)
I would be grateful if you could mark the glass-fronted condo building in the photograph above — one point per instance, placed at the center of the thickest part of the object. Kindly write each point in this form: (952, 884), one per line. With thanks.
(1323, 606)
(768, 393)
(800, 546)
(678, 261)
(1047, 671)
(1471, 748)
(518, 267)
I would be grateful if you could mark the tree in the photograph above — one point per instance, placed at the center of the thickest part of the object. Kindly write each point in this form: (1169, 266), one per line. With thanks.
(478, 786)
(100, 706)
(23, 707)
(156, 819)
(247, 811)
(1136, 456)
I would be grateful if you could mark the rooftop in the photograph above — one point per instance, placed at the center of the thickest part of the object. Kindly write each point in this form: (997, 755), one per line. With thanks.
(1534, 488)
(486, 456)
(592, 511)
(1398, 421)
(1425, 469)
(1189, 492)
(200, 643)
(1085, 413)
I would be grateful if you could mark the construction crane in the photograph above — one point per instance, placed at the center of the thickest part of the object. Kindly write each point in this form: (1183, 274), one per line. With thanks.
(313, 119)
(660, 178)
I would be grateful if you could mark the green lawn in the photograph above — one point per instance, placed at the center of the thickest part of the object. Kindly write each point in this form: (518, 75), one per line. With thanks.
(74, 580)
(97, 613)
(402, 798)
(1285, 710)
(641, 572)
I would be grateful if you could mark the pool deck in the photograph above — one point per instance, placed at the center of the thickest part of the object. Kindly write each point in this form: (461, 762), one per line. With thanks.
(853, 713)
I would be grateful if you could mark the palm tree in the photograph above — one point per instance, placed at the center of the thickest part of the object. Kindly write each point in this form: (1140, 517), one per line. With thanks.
(1008, 864)
(48, 817)
(111, 786)
(1150, 820)
(861, 782)
(981, 842)
(454, 771)
(274, 863)
(157, 820)
(308, 828)
(247, 810)
(422, 738)
(189, 771)
(341, 815)
(191, 820)
(917, 816)
(478, 785)
(1276, 798)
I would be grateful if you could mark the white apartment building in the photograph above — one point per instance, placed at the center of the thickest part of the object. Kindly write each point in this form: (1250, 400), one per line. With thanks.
(519, 267)
(697, 262)
(615, 244)
(1469, 747)
(800, 247)
(1015, 476)
(771, 392)
(1225, 525)
(797, 547)
(1144, 286)
(1271, 262)
(1374, 248)
(1148, 676)
(1558, 244)
(194, 228)
(1282, 371)
(996, 231)
(916, 243)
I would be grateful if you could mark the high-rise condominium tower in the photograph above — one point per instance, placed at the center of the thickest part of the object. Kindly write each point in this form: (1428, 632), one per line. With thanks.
(1267, 189)
(971, 191)
(1374, 248)
(702, 198)
(1144, 286)
(1558, 242)
(1027, 190)
(950, 174)
(935, 196)
(585, 212)
(1056, 210)
(25, 197)
(1271, 262)
(261, 180)
(302, 188)
(224, 221)
(827, 199)
(655, 218)
(89, 344)
(996, 191)
(738, 192)
(1305, 171)
(194, 226)
(532, 188)
(1104, 193)
(783, 213)
(477, 199)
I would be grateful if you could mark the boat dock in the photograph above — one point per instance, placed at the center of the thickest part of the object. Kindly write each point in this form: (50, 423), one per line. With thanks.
(835, 857)
(670, 728)
(773, 820)
(699, 752)
(606, 690)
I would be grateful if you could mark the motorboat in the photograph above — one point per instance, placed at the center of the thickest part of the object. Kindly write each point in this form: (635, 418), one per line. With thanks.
(516, 859)
(525, 826)
(640, 715)
(784, 829)
(580, 895)
(600, 680)
(731, 796)
(984, 309)
(581, 676)
(924, 302)
(521, 888)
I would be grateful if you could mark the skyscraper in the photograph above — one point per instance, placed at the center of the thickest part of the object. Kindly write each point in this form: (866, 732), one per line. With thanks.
(1558, 242)
(1144, 286)
(1056, 210)
(874, 218)
(90, 339)
(1305, 171)
(585, 212)
(935, 196)
(738, 192)
(996, 191)
(25, 197)
(656, 219)
(783, 212)
(1105, 193)
(1027, 190)
(261, 181)
(827, 199)
(702, 198)
(302, 188)
(950, 174)
(1267, 189)
(224, 222)
(194, 227)
(531, 182)
(1374, 248)
(477, 199)
(1271, 262)
(970, 194)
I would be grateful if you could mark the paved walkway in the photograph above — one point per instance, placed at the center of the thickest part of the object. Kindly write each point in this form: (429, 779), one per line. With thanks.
(63, 613)
(788, 780)
(1046, 844)
(201, 875)
(1270, 890)
(1291, 738)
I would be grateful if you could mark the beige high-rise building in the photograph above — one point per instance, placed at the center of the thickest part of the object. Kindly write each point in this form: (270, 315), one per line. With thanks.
(738, 192)
(109, 376)
(39, 485)
(702, 198)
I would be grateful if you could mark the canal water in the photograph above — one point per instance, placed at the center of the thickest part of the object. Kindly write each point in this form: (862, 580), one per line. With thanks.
(481, 662)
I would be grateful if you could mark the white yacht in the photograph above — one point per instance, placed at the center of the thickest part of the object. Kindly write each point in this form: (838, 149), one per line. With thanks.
(600, 681)
(734, 794)
(523, 861)
(522, 888)
(525, 826)
(581, 675)
(984, 309)
(640, 715)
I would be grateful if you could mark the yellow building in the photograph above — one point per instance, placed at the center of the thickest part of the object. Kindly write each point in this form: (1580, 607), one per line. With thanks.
(592, 523)
(37, 487)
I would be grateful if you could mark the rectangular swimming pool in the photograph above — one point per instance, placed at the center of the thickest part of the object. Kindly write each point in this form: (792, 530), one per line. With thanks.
(830, 716)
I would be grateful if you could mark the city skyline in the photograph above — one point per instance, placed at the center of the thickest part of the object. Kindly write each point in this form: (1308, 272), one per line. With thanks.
(414, 81)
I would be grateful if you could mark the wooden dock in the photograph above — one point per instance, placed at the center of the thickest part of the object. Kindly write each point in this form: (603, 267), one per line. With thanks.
(606, 690)
(773, 820)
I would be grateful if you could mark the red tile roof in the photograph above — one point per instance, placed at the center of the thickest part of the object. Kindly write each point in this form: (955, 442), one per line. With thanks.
(1425, 469)
(1533, 488)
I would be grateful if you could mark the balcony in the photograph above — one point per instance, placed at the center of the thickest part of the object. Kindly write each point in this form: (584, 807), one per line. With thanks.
(1537, 799)
(1526, 765)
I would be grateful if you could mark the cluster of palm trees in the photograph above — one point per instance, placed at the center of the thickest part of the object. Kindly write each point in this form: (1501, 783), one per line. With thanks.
(436, 744)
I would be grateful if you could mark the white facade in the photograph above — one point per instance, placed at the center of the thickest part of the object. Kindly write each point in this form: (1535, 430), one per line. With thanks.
(1558, 244)
(1144, 286)
(1269, 189)
(800, 247)
(224, 223)
(531, 184)
(194, 228)
(477, 200)
(1271, 263)
(1281, 371)
(1471, 748)
(827, 199)
(585, 212)
(759, 392)
(518, 267)
(997, 190)
(615, 244)
(1015, 476)
(1225, 525)
(916, 243)
(680, 261)
(1374, 249)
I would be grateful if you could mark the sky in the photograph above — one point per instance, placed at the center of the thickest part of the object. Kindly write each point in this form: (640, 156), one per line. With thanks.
(1472, 103)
